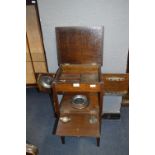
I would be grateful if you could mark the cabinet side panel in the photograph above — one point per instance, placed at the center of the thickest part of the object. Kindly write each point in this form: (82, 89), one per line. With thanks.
(34, 34)
(30, 77)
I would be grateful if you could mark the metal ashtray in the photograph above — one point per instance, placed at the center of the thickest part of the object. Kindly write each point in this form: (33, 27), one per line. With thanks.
(79, 101)
(45, 81)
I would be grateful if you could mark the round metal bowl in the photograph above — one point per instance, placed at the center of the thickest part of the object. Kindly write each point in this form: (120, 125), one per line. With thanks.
(79, 101)
(45, 81)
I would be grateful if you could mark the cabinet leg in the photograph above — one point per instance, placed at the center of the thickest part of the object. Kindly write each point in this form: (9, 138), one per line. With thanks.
(98, 141)
(63, 139)
(50, 95)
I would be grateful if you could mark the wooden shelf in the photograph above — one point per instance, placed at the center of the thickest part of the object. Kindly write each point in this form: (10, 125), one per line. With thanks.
(78, 126)
(66, 107)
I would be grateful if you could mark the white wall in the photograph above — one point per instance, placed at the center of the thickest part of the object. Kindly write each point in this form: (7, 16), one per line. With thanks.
(112, 14)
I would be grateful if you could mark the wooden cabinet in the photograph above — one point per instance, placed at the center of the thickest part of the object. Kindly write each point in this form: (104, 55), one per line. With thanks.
(79, 73)
(69, 86)
(35, 54)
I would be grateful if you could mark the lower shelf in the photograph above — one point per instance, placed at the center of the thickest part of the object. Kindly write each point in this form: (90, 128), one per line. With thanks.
(78, 126)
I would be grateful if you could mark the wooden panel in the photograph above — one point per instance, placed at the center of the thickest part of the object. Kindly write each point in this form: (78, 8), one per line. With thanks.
(78, 126)
(28, 57)
(77, 68)
(67, 87)
(38, 56)
(30, 77)
(116, 84)
(40, 67)
(34, 34)
(79, 45)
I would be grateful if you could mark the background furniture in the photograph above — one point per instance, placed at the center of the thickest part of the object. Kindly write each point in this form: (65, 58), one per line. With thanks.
(31, 149)
(35, 54)
(125, 99)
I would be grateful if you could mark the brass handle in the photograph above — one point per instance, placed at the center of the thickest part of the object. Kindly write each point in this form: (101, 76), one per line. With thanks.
(76, 84)
(92, 85)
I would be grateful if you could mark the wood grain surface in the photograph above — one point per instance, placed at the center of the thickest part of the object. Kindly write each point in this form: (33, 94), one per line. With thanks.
(35, 55)
(79, 126)
(30, 77)
(79, 45)
(34, 34)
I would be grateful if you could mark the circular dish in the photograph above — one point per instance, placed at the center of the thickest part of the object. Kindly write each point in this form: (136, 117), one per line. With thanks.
(45, 81)
(79, 101)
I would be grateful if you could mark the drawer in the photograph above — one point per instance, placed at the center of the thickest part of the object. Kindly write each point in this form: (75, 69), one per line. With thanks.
(77, 87)
(116, 84)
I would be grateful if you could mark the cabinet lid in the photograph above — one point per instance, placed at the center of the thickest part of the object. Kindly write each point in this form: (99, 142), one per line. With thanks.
(79, 45)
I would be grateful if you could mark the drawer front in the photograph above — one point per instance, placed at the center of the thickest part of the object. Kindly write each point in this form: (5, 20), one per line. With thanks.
(77, 87)
(30, 77)
(116, 84)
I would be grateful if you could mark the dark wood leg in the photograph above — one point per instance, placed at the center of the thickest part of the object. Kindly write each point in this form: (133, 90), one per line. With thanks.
(50, 95)
(98, 141)
(55, 126)
(63, 139)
